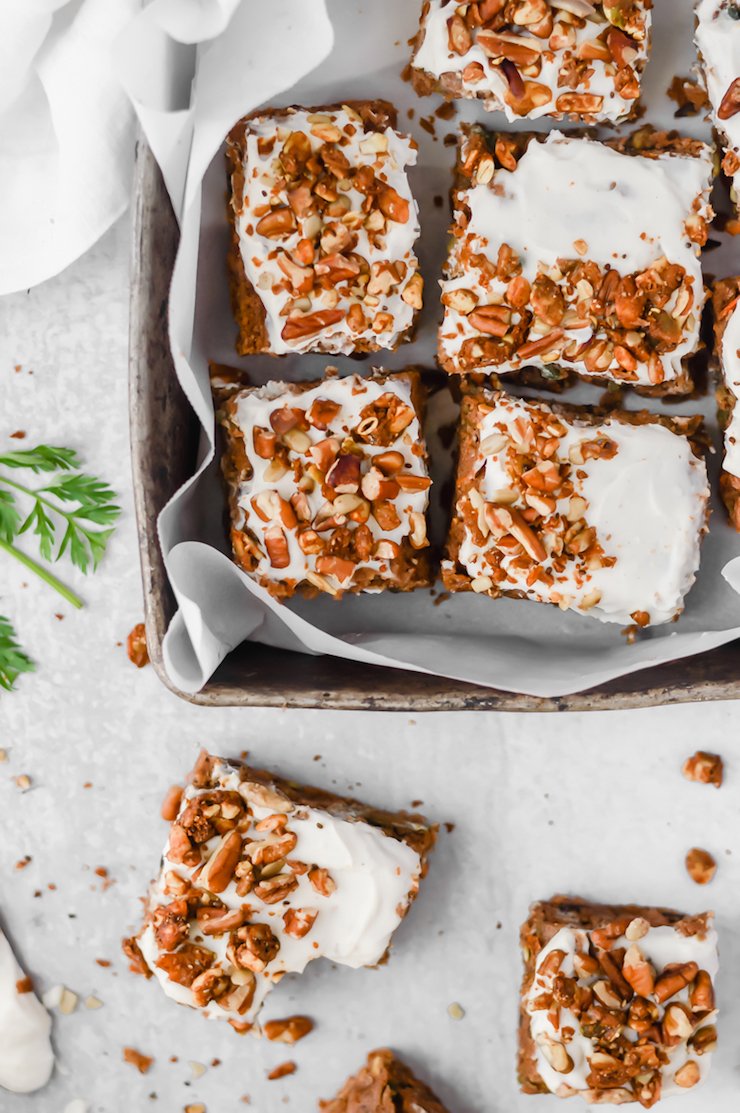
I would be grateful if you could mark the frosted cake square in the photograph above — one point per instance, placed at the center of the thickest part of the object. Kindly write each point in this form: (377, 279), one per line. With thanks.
(617, 1002)
(323, 230)
(571, 257)
(567, 59)
(260, 876)
(598, 512)
(328, 484)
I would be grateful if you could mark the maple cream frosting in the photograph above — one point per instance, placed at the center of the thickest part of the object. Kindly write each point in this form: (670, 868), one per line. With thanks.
(647, 504)
(388, 153)
(374, 878)
(661, 947)
(434, 56)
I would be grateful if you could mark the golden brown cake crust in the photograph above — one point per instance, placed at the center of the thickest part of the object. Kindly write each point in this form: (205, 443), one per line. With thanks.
(383, 1085)
(725, 296)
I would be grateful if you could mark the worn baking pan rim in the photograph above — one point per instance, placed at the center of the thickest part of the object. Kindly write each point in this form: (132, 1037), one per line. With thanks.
(315, 682)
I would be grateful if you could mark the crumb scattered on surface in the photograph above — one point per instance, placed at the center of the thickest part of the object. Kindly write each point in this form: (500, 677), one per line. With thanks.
(137, 1059)
(136, 648)
(289, 1030)
(701, 866)
(23, 782)
(282, 1070)
(455, 1011)
(704, 768)
(446, 111)
(24, 985)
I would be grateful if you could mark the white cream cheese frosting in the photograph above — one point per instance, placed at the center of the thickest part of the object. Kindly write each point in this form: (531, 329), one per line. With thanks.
(374, 878)
(388, 153)
(576, 197)
(718, 41)
(435, 57)
(661, 947)
(352, 394)
(26, 1055)
(647, 504)
(731, 370)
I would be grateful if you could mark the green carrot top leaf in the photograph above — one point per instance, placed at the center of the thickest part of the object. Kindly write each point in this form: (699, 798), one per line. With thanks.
(13, 661)
(71, 513)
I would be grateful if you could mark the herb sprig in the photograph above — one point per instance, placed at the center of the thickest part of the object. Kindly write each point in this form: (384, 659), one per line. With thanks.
(72, 514)
(13, 661)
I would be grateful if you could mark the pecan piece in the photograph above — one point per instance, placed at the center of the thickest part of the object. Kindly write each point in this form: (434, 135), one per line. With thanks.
(274, 889)
(730, 105)
(298, 327)
(253, 947)
(299, 921)
(704, 768)
(322, 881)
(221, 865)
(170, 924)
(185, 965)
(701, 866)
(290, 1030)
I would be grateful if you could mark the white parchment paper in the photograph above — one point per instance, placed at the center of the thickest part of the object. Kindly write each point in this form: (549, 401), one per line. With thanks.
(295, 54)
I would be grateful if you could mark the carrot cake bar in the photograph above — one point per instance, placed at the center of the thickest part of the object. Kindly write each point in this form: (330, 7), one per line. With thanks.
(260, 876)
(383, 1085)
(617, 1002)
(328, 484)
(568, 59)
(599, 512)
(323, 230)
(573, 256)
(726, 300)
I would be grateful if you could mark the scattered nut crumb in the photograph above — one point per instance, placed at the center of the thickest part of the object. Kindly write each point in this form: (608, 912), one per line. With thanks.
(290, 1030)
(197, 1069)
(24, 985)
(171, 803)
(449, 828)
(446, 111)
(732, 226)
(196, 1107)
(23, 782)
(141, 1062)
(690, 96)
(282, 1070)
(93, 1003)
(3, 756)
(23, 862)
(136, 648)
(704, 768)
(18, 435)
(68, 1002)
(457, 1012)
(103, 962)
(701, 865)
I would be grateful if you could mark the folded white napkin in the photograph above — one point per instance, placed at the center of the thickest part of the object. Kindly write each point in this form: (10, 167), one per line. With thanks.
(66, 133)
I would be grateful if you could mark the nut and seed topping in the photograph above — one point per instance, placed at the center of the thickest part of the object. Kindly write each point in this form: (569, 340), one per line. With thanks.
(704, 768)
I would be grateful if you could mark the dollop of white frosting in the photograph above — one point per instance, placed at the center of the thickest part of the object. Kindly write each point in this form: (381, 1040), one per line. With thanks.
(718, 41)
(731, 372)
(352, 393)
(648, 507)
(375, 877)
(435, 57)
(630, 211)
(26, 1055)
(661, 946)
(397, 243)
